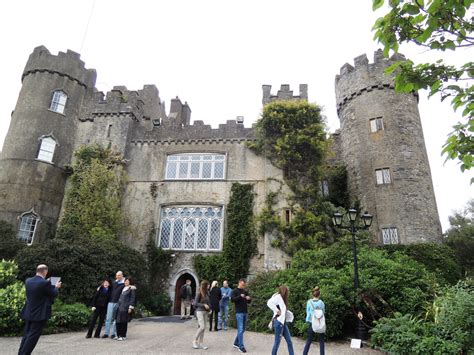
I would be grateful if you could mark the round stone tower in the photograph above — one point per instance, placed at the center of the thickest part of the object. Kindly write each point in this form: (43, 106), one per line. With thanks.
(382, 145)
(40, 140)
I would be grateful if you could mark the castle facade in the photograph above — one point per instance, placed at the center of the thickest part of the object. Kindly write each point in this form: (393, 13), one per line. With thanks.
(180, 173)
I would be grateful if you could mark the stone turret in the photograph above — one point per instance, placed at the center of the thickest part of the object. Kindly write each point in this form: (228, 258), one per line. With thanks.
(283, 94)
(382, 144)
(40, 139)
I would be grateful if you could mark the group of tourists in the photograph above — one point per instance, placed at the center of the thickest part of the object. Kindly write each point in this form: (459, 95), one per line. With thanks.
(113, 303)
(210, 299)
(213, 302)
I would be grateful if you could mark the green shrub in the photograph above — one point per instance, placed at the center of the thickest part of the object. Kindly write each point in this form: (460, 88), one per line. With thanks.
(9, 243)
(405, 334)
(158, 305)
(12, 300)
(67, 317)
(8, 272)
(387, 284)
(446, 330)
(81, 264)
(439, 259)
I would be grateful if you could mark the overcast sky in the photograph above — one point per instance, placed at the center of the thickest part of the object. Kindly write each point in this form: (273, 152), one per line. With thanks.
(216, 55)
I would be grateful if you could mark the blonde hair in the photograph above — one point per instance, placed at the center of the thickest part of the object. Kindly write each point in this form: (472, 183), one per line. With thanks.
(214, 284)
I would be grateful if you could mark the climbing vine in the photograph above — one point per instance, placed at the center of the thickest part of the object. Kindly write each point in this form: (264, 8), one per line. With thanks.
(239, 242)
(94, 195)
(292, 135)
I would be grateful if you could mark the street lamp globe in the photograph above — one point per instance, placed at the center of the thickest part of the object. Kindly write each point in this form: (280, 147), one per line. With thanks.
(367, 219)
(352, 214)
(337, 219)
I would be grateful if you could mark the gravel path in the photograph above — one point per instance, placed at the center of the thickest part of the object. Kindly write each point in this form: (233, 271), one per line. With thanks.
(168, 335)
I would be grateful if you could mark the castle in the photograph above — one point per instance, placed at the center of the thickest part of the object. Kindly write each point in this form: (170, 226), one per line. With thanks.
(180, 173)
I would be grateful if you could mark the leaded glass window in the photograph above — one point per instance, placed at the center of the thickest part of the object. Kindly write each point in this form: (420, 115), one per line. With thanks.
(46, 150)
(390, 235)
(195, 166)
(191, 228)
(28, 223)
(58, 102)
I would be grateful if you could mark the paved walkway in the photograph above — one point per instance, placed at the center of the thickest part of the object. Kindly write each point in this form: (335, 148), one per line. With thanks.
(168, 335)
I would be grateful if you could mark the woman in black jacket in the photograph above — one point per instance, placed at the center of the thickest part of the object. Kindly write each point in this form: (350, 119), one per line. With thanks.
(215, 297)
(125, 306)
(99, 307)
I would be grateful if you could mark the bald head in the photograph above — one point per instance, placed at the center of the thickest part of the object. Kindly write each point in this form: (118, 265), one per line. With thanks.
(42, 270)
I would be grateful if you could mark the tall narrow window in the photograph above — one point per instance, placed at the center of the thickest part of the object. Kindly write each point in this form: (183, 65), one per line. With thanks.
(58, 102)
(28, 223)
(287, 217)
(46, 150)
(376, 124)
(324, 188)
(390, 235)
(383, 176)
(109, 129)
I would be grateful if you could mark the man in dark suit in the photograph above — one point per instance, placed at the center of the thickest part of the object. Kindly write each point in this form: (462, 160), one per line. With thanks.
(40, 296)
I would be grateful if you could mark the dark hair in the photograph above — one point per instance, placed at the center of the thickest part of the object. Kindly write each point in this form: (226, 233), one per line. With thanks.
(242, 280)
(203, 289)
(103, 281)
(316, 292)
(132, 281)
(283, 291)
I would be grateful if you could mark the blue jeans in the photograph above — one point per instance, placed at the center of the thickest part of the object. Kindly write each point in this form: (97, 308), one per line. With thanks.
(108, 320)
(282, 330)
(309, 339)
(241, 320)
(223, 315)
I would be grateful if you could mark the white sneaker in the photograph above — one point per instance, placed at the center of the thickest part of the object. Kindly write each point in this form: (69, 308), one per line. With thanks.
(195, 346)
(203, 347)
(116, 338)
(120, 339)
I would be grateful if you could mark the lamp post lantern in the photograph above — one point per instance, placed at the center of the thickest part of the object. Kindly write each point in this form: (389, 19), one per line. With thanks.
(353, 228)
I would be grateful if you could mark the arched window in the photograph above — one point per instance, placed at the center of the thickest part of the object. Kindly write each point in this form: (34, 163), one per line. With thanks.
(28, 222)
(58, 102)
(46, 149)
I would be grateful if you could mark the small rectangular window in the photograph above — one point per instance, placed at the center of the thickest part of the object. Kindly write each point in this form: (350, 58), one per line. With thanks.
(46, 150)
(383, 176)
(376, 124)
(390, 235)
(109, 129)
(288, 265)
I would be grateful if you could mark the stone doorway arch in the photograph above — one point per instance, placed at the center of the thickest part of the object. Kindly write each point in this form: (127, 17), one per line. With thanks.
(177, 281)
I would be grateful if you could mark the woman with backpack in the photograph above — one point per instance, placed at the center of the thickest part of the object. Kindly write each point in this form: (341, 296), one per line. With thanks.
(202, 306)
(315, 314)
(278, 303)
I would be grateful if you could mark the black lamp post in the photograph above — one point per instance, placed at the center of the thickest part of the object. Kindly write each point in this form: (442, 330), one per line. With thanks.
(366, 218)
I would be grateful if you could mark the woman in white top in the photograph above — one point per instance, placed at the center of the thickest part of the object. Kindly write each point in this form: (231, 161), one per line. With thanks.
(278, 303)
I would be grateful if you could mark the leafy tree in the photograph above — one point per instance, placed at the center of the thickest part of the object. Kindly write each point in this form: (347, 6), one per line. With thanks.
(437, 25)
(460, 237)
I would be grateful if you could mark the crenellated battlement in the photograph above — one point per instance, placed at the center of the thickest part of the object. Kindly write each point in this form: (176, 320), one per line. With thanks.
(283, 94)
(354, 80)
(66, 64)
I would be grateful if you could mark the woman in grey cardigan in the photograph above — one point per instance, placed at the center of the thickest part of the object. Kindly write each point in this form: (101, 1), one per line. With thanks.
(201, 306)
(125, 306)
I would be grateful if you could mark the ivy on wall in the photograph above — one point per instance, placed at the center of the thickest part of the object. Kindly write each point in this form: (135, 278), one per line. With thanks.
(292, 135)
(239, 242)
(94, 195)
